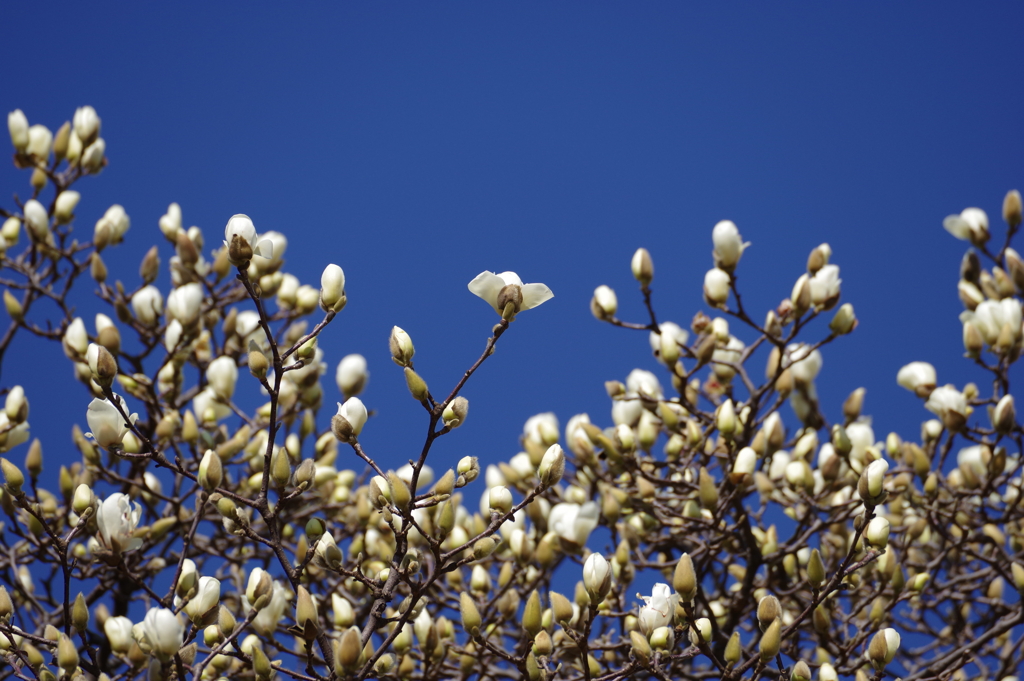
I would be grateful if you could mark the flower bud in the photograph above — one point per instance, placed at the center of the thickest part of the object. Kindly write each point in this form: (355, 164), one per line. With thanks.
(716, 287)
(768, 610)
(87, 124)
(67, 654)
(17, 125)
(532, 622)
(1012, 208)
(102, 364)
(417, 386)
(7, 607)
(13, 305)
(552, 466)
(471, 619)
(801, 672)
(604, 304)
(733, 649)
(93, 156)
(1004, 416)
(701, 631)
(352, 375)
(597, 578)
(684, 580)
(643, 267)
(468, 469)
(499, 499)
(13, 477)
(258, 362)
(844, 320)
(801, 295)
(64, 206)
(725, 419)
(641, 647)
(80, 613)
(82, 499)
(815, 569)
(877, 533)
(211, 471)
(306, 616)
(332, 289)
(455, 413)
(401, 346)
(771, 641)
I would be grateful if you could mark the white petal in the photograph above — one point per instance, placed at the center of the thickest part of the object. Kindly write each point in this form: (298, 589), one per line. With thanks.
(958, 227)
(535, 294)
(487, 285)
(511, 278)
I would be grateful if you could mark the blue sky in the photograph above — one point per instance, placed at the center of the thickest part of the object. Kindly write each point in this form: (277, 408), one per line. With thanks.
(418, 144)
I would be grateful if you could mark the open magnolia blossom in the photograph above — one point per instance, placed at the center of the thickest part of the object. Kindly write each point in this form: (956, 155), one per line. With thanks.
(500, 289)
(106, 423)
(970, 225)
(116, 520)
(991, 317)
(658, 610)
(573, 523)
(950, 405)
(917, 377)
(729, 245)
(161, 633)
(240, 226)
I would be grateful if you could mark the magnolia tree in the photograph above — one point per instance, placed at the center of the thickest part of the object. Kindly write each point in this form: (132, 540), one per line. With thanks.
(193, 538)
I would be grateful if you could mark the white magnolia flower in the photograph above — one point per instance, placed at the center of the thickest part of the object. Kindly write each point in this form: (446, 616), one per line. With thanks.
(64, 206)
(892, 643)
(825, 287)
(426, 476)
(670, 330)
(40, 141)
(15, 435)
(658, 610)
(170, 222)
(221, 375)
(161, 632)
(17, 125)
(87, 124)
(729, 244)
(971, 225)
(490, 286)
(206, 599)
(209, 407)
(716, 286)
(110, 228)
(119, 633)
(241, 226)
(148, 305)
(876, 476)
(287, 292)
(352, 375)
(573, 523)
(92, 157)
(116, 519)
(861, 437)
(37, 220)
(185, 303)
(332, 288)
(722, 357)
(990, 316)
(106, 423)
(266, 621)
(76, 339)
(576, 438)
(973, 461)
(877, 532)
(353, 411)
(917, 377)
(803, 362)
(950, 405)
(541, 429)
(596, 575)
(643, 382)
(270, 261)
(604, 304)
